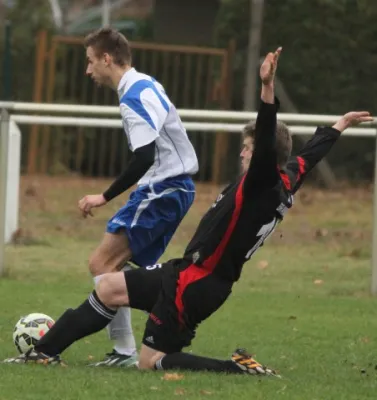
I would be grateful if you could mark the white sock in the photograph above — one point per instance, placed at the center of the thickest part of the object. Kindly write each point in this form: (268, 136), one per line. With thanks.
(120, 332)
(120, 328)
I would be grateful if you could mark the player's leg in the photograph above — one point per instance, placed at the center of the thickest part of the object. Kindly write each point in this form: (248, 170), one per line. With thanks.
(110, 256)
(95, 312)
(157, 360)
(241, 362)
(149, 219)
(165, 337)
(90, 317)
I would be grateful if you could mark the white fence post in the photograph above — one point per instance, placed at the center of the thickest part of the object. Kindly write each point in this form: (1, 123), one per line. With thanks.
(374, 238)
(13, 181)
(4, 149)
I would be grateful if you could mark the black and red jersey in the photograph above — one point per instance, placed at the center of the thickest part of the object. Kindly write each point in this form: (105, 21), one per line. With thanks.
(247, 211)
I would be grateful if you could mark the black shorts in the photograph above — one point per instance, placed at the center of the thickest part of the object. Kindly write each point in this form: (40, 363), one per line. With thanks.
(179, 296)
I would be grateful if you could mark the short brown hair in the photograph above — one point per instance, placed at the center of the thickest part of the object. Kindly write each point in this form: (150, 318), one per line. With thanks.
(283, 140)
(108, 40)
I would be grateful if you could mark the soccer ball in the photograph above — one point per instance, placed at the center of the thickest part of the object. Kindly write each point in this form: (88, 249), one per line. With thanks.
(30, 329)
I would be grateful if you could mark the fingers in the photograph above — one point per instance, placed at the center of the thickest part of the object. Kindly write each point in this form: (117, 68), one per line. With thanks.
(85, 207)
(277, 54)
(363, 116)
(366, 119)
(85, 213)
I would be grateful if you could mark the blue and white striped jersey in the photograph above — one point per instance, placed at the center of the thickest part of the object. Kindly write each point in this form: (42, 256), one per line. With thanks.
(148, 115)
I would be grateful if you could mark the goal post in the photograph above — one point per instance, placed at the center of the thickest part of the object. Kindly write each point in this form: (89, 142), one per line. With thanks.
(4, 154)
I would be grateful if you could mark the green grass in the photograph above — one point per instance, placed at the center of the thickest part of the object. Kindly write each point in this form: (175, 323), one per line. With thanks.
(302, 304)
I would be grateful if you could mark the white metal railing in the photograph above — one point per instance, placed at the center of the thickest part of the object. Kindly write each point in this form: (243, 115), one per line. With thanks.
(190, 126)
(218, 115)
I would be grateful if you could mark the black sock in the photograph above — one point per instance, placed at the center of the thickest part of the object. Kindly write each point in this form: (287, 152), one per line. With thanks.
(89, 318)
(191, 362)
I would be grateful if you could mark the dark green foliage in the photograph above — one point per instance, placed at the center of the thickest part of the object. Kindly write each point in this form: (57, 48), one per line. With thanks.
(328, 65)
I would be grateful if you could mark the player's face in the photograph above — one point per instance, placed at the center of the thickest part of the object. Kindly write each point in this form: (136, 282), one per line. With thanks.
(246, 153)
(97, 68)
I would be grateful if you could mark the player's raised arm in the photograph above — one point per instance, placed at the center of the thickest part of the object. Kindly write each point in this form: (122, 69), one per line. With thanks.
(262, 171)
(318, 147)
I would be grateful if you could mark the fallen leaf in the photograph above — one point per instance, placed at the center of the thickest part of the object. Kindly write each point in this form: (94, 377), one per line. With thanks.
(365, 340)
(90, 357)
(172, 377)
(179, 391)
(263, 264)
(321, 232)
(318, 282)
(206, 392)
(355, 253)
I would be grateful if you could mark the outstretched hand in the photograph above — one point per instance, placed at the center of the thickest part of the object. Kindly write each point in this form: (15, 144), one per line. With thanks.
(351, 119)
(268, 68)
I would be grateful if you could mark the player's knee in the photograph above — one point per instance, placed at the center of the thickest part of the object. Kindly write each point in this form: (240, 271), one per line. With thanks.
(98, 264)
(95, 266)
(112, 290)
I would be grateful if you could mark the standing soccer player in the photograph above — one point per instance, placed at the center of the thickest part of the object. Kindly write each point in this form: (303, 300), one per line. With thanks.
(163, 160)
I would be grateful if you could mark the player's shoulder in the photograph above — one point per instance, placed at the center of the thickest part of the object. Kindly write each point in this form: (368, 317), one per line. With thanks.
(139, 82)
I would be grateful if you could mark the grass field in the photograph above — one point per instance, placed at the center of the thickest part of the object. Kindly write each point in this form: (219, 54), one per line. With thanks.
(302, 304)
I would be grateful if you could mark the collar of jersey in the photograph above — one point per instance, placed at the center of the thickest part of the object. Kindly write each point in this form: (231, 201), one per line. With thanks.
(123, 81)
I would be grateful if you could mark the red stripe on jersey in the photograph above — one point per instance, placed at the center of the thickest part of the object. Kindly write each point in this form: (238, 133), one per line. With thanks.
(193, 273)
(301, 167)
(285, 179)
(214, 258)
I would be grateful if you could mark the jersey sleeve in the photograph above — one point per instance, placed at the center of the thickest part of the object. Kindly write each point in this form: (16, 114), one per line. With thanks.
(313, 151)
(263, 172)
(143, 113)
